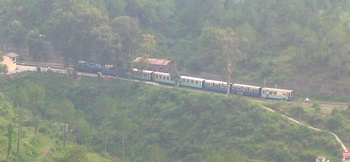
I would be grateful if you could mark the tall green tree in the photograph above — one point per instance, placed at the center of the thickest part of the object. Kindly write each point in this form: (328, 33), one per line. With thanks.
(230, 52)
(145, 50)
(148, 46)
(35, 43)
(65, 113)
(107, 109)
(60, 27)
(142, 65)
(209, 47)
(175, 76)
(16, 32)
(9, 136)
(106, 44)
(130, 33)
(247, 35)
(70, 30)
(37, 100)
(20, 101)
(124, 125)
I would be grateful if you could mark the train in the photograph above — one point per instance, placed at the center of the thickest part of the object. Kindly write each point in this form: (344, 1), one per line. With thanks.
(194, 82)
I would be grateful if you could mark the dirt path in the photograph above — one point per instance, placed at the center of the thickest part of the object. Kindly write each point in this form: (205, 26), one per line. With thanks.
(313, 128)
(46, 151)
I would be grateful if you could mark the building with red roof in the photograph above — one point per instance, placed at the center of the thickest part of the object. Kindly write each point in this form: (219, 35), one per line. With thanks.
(346, 157)
(160, 65)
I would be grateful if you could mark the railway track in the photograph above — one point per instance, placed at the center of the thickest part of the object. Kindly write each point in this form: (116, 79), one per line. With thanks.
(59, 68)
(325, 105)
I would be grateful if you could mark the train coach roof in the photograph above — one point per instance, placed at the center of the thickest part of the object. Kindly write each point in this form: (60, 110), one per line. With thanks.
(144, 71)
(215, 81)
(275, 89)
(161, 73)
(192, 78)
(243, 85)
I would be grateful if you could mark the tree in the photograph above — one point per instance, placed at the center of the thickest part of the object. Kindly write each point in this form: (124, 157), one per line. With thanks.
(230, 53)
(16, 32)
(146, 49)
(83, 132)
(65, 113)
(61, 26)
(9, 135)
(148, 45)
(247, 34)
(175, 76)
(338, 42)
(107, 109)
(37, 97)
(130, 32)
(35, 43)
(143, 64)
(124, 125)
(20, 101)
(106, 44)
(2, 67)
(209, 48)
(70, 30)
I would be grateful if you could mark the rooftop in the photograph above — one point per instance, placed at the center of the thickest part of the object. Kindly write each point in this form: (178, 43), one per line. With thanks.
(155, 61)
(11, 54)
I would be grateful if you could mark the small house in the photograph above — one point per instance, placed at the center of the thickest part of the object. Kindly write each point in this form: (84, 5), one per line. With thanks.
(160, 65)
(346, 157)
(10, 60)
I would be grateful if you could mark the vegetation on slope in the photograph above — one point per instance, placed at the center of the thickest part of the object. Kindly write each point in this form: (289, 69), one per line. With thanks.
(132, 121)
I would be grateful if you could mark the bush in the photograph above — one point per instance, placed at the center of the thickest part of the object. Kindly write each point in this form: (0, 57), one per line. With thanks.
(43, 130)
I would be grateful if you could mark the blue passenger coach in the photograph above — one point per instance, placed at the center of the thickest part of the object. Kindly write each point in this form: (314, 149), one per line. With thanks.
(162, 78)
(279, 94)
(192, 82)
(144, 75)
(246, 90)
(217, 86)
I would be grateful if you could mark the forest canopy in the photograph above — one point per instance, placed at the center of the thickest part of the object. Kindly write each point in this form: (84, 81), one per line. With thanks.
(282, 42)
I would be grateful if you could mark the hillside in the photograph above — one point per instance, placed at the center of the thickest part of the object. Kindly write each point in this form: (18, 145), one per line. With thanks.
(139, 122)
(297, 45)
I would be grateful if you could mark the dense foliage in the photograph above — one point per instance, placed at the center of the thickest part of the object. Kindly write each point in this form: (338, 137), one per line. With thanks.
(132, 121)
(301, 45)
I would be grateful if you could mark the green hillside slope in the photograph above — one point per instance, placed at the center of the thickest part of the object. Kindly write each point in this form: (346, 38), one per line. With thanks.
(132, 121)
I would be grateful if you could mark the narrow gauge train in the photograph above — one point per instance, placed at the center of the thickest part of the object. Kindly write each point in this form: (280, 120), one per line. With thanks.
(200, 83)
